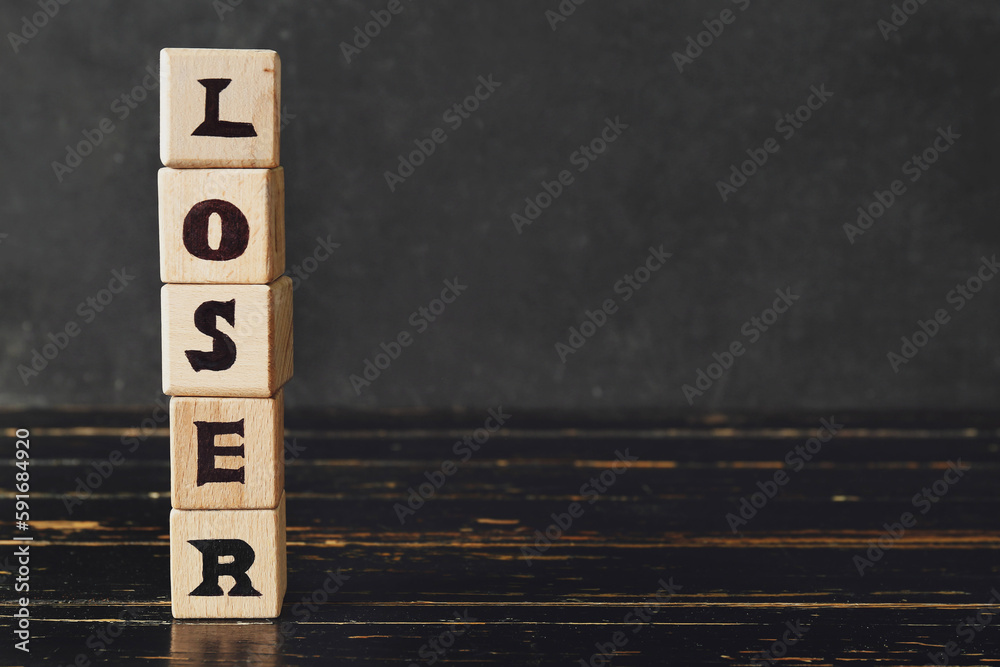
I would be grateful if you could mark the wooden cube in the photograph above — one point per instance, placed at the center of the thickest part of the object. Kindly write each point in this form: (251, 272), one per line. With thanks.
(227, 563)
(222, 225)
(227, 453)
(227, 340)
(219, 108)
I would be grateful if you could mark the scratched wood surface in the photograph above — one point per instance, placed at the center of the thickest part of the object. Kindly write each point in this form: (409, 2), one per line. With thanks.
(100, 590)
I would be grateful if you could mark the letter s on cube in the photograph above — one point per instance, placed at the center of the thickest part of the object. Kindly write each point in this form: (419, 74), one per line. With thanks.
(226, 340)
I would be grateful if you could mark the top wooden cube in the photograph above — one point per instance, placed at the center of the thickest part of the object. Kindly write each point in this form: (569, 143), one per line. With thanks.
(219, 108)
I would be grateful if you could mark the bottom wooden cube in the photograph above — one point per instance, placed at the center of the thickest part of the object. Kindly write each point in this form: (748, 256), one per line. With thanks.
(227, 563)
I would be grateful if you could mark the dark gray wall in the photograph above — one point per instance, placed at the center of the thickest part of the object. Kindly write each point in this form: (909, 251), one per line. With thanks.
(654, 185)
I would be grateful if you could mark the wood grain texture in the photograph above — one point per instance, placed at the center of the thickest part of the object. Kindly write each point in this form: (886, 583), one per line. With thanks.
(259, 196)
(253, 96)
(402, 583)
(262, 530)
(261, 421)
(261, 333)
(225, 643)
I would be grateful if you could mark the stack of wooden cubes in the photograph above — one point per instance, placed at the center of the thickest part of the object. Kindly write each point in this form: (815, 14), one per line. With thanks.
(227, 329)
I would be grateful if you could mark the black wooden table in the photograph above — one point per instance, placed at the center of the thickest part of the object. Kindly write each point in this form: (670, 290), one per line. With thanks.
(649, 569)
